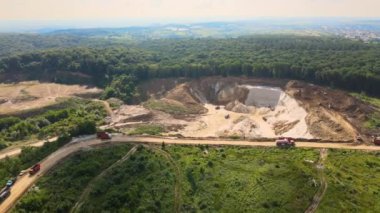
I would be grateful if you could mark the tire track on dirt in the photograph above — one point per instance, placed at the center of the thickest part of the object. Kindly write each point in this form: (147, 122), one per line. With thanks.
(323, 187)
(87, 190)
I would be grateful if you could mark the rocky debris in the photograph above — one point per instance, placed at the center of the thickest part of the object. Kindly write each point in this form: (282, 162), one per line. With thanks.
(281, 127)
(332, 114)
(244, 128)
(3, 100)
(237, 106)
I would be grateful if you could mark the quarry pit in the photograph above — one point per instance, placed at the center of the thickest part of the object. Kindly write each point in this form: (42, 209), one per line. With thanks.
(246, 108)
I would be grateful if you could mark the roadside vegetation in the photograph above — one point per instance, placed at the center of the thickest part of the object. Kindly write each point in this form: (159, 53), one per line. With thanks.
(373, 121)
(80, 117)
(210, 179)
(230, 179)
(61, 187)
(148, 129)
(10, 167)
(353, 182)
(144, 183)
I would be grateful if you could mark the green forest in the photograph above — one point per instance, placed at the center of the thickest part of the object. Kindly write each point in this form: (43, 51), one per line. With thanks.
(335, 62)
(77, 117)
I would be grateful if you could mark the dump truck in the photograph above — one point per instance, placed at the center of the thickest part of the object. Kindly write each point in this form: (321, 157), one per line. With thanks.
(285, 142)
(4, 193)
(34, 169)
(103, 135)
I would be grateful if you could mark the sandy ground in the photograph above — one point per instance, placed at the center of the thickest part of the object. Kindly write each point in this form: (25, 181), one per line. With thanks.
(25, 182)
(32, 95)
(258, 123)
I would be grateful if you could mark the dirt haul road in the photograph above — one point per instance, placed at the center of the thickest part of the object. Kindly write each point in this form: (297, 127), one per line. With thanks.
(16, 150)
(25, 182)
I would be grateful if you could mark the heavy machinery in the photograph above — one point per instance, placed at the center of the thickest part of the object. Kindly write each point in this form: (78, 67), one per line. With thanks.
(285, 142)
(103, 135)
(35, 169)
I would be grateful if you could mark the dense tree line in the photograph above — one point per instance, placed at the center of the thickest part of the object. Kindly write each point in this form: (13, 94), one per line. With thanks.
(331, 61)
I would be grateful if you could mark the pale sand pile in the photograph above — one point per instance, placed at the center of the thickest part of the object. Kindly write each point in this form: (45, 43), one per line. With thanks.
(259, 122)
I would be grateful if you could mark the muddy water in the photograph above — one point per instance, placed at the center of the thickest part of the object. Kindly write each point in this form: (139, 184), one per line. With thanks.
(261, 96)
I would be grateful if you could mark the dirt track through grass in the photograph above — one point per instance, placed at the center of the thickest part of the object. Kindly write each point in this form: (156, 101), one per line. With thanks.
(323, 183)
(177, 187)
(86, 192)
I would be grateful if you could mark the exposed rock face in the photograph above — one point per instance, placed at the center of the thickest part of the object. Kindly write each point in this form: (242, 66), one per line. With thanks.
(273, 107)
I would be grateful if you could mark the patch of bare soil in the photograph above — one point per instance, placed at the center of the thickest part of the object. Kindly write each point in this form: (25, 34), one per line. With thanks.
(184, 95)
(332, 114)
(130, 116)
(255, 108)
(33, 95)
(131, 113)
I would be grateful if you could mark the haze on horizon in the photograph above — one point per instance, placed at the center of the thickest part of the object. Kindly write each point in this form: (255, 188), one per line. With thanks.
(48, 10)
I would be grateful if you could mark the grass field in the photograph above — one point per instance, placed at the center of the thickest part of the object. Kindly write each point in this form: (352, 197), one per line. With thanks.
(243, 180)
(149, 129)
(354, 182)
(172, 178)
(168, 107)
(60, 188)
(374, 119)
(145, 183)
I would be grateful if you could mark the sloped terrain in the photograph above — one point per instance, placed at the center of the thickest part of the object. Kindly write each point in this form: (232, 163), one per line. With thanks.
(259, 108)
(15, 98)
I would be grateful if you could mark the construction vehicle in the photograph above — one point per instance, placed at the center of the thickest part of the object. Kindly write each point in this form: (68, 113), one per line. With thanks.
(285, 142)
(4, 193)
(103, 135)
(376, 140)
(35, 169)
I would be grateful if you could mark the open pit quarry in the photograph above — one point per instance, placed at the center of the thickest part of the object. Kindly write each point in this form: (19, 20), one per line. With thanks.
(246, 108)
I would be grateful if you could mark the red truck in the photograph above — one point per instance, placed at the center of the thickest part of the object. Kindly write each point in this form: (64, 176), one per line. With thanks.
(285, 142)
(35, 169)
(103, 135)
